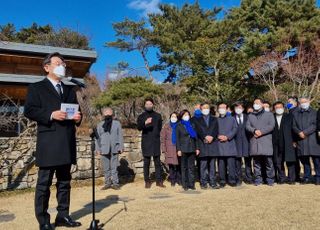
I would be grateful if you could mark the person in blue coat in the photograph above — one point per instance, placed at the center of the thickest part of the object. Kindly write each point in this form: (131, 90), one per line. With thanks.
(243, 147)
(227, 130)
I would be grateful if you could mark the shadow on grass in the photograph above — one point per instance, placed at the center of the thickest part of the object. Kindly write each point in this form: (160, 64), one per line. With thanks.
(100, 205)
(6, 216)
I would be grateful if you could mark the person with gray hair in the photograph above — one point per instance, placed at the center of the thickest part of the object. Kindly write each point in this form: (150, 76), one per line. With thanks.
(109, 145)
(304, 125)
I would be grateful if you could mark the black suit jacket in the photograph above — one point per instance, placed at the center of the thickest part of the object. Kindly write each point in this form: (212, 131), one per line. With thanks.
(242, 138)
(56, 141)
(204, 130)
(283, 138)
(278, 136)
(184, 142)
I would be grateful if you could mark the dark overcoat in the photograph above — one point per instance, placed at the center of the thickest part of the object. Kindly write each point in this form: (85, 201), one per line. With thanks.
(282, 139)
(227, 127)
(56, 140)
(306, 121)
(242, 138)
(185, 143)
(150, 142)
(211, 129)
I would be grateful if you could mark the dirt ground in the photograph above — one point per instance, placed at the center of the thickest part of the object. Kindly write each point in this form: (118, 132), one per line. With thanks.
(133, 207)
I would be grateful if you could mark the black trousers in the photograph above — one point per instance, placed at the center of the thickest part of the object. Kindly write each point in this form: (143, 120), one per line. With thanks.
(207, 168)
(227, 164)
(248, 177)
(187, 170)
(291, 165)
(174, 174)
(278, 162)
(146, 168)
(42, 194)
(298, 170)
(305, 160)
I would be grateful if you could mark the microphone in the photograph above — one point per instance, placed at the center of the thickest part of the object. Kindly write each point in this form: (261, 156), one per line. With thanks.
(78, 83)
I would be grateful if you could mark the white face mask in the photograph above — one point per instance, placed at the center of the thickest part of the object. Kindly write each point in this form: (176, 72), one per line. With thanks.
(238, 111)
(59, 71)
(267, 109)
(173, 119)
(222, 112)
(279, 111)
(186, 118)
(256, 107)
(206, 111)
(305, 105)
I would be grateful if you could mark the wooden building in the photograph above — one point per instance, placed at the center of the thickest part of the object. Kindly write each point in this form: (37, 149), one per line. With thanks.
(21, 64)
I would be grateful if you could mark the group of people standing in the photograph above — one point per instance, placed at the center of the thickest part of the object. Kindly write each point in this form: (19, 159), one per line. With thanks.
(221, 143)
(230, 138)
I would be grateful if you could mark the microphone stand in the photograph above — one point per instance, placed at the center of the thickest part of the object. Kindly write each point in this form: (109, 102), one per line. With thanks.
(94, 225)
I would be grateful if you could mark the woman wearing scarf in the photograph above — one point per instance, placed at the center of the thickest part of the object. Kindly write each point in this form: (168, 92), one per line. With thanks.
(187, 148)
(168, 146)
(109, 146)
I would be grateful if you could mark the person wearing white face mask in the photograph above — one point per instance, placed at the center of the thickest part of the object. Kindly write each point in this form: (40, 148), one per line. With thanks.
(56, 140)
(283, 149)
(242, 142)
(261, 124)
(207, 129)
(227, 130)
(187, 148)
(304, 125)
(168, 147)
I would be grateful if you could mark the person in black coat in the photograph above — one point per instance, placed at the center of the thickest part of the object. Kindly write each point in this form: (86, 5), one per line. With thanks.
(308, 145)
(243, 147)
(150, 123)
(207, 130)
(56, 141)
(318, 124)
(187, 149)
(291, 158)
(278, 140)
(194, 119)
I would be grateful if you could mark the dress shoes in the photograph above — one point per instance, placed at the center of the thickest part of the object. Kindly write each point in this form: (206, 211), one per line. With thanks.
(66, 222)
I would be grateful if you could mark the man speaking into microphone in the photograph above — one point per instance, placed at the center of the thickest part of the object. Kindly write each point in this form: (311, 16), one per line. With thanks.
(56, 140)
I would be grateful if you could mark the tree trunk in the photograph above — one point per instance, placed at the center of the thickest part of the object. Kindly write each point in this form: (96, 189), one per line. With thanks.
(146, 63)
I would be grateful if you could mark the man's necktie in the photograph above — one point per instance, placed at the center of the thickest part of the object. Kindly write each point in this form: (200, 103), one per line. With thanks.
(59, 91)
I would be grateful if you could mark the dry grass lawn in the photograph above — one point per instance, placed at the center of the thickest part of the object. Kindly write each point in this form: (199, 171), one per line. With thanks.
(133, 207)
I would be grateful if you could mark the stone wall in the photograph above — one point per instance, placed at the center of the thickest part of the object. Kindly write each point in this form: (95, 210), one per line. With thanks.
(18, 171)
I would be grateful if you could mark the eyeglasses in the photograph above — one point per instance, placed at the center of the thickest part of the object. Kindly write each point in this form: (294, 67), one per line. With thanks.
(58, 63)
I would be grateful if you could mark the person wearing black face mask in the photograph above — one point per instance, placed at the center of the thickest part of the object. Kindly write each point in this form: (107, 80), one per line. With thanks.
(150, 123)
(109, 146)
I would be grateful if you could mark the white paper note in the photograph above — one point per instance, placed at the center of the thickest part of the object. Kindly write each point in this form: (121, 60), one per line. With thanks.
(70, 109)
